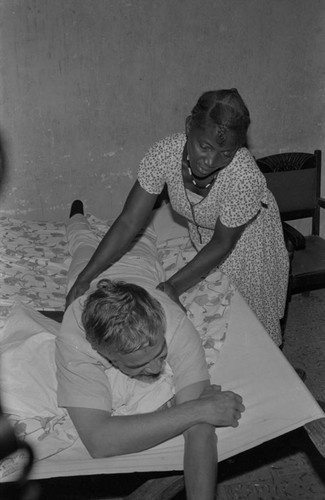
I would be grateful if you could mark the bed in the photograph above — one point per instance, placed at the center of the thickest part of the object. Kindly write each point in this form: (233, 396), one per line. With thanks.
(241, 356)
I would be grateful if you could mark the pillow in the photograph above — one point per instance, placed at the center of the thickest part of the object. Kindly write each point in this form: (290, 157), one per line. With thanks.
(28, 370)
(28, 385)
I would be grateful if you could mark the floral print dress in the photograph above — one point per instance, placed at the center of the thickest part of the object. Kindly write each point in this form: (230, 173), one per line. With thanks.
(258, 265)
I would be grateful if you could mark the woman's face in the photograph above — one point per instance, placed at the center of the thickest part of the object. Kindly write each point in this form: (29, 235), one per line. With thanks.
(205, 152)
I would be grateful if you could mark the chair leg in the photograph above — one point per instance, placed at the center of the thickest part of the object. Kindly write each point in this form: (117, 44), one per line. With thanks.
(316, 432)
(283, 321)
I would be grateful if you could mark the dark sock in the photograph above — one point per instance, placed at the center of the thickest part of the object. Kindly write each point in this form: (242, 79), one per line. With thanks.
(77, 207)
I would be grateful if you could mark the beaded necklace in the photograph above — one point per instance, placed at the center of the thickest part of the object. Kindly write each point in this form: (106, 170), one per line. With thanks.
(192, 177)
(194, 181)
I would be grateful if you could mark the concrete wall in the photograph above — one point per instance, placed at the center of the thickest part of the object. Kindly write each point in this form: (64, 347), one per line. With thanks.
(86, 86)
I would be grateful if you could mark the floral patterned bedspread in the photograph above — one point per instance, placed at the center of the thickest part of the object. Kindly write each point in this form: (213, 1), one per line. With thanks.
(207, 303)
(34, 261)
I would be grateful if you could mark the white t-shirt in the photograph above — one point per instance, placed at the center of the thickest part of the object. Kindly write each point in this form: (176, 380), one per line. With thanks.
(82, 372)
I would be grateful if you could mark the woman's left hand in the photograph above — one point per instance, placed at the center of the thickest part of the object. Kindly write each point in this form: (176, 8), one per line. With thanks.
(169, 290)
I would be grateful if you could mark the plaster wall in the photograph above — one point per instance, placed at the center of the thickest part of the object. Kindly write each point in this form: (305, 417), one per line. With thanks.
(86, 86)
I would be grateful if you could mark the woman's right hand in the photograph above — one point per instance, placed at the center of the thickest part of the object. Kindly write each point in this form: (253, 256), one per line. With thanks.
(79, 288)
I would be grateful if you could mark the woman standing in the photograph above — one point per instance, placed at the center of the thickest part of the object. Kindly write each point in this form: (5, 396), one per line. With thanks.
(233, 219)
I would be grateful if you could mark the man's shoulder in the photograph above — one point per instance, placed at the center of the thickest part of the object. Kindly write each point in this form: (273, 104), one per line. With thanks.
(72, 318)
(176, 319)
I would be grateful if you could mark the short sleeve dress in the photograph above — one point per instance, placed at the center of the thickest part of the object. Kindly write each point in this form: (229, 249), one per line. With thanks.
(258, 265)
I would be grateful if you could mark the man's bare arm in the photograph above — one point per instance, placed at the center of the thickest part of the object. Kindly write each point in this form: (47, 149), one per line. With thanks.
(200, 451)
(105, 436)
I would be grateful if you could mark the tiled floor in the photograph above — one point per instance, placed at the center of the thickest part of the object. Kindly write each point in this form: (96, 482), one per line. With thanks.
(288, 467)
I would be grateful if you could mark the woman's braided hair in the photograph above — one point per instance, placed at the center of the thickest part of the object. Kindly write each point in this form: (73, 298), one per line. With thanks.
(224, 108)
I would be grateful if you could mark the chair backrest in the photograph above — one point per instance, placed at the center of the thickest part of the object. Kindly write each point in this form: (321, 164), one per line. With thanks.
(295, 181)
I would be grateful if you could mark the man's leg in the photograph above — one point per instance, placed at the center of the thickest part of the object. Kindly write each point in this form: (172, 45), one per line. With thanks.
(140, 264)
(82, 243)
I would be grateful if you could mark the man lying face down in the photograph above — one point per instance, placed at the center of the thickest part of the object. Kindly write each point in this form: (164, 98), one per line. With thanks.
(127, 326)
(125, 323)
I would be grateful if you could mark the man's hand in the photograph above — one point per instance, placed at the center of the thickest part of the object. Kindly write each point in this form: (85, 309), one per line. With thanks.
(171, 292)
(78, 289)
(220, 408)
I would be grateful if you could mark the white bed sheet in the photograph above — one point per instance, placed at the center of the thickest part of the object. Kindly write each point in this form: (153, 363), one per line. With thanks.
(276, 401)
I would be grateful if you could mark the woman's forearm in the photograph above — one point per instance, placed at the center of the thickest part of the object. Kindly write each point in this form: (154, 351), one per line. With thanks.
(210, 256)
(119, 237)
(114, 244)
(117, 240)
(207, 259)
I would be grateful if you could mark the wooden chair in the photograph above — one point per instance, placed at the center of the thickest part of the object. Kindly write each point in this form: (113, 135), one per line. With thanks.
(295, 181)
